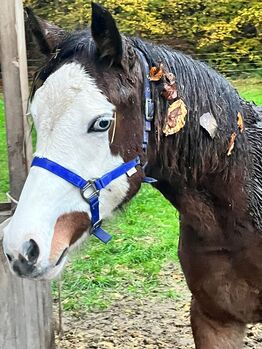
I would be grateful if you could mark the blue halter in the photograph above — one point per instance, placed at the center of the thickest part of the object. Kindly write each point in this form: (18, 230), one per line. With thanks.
(95, 185)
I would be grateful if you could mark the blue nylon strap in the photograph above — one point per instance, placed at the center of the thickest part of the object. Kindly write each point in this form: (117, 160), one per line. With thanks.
(80, 182)
(60, 171)
(100, 233)
(94, 205)
(103, 181)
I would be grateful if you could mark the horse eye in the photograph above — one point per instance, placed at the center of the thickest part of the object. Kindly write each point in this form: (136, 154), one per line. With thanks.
(101, 124)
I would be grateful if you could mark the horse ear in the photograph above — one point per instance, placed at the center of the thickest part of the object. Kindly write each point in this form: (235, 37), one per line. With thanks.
(106, 35)
(47, 35)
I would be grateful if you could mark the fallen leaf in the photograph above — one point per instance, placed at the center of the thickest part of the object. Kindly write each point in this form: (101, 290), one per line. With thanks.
(240, 122)
(208, 122)
(175, 120)
(169, 91)
(231, 143)
(156, 73)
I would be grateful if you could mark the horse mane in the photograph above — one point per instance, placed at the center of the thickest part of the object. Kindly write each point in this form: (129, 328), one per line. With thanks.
(191, 152)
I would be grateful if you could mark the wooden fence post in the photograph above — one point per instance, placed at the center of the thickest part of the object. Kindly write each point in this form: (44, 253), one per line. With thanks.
(14, 73)
(25, 306)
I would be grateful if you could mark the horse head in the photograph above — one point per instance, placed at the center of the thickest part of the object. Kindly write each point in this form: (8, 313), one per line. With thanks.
(87, 104)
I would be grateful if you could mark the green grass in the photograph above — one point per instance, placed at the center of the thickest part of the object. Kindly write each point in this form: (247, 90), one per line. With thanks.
(250, 89)
(145, 237)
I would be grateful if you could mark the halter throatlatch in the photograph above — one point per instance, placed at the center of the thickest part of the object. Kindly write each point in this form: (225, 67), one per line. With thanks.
(90, 189)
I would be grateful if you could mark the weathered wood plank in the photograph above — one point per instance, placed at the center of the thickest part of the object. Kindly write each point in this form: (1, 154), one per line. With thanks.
(5, 211)
(14, 73)
(4, 215)
(25, 310)
(5, 206)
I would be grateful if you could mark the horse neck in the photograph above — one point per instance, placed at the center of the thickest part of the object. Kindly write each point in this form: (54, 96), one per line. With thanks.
(189, 173)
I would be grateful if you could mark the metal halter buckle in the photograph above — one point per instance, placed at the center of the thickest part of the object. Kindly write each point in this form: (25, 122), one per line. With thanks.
(149, 115)
(96, 225)
(90, 184)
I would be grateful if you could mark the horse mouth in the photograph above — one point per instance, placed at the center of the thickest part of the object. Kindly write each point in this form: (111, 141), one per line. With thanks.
(49, 273)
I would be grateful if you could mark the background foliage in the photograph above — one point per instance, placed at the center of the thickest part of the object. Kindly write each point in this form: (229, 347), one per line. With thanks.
(203, 27)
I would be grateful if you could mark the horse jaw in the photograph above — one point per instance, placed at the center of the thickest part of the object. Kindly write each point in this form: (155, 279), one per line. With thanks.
(63, 109)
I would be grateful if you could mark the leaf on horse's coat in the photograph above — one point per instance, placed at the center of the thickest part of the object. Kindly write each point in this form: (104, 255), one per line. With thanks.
(208, 122)
(170, 78)
(240, 122)
(156, 73)
(169, 92)
(231, 143)
(175, 120)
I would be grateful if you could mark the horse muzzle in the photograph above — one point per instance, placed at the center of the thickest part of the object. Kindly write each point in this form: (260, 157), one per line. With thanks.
(36, 258)
(26, 263)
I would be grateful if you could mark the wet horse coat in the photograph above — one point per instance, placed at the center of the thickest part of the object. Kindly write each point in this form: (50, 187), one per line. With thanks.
(217, 195)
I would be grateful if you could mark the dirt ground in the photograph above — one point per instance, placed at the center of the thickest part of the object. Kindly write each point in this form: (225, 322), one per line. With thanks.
(148, 323)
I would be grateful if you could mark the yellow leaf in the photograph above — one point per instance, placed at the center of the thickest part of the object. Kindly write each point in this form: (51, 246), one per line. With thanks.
(175, 120)
(240, 122)
(231, 143)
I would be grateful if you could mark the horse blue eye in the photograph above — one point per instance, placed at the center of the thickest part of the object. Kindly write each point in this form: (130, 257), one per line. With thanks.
(101, 124)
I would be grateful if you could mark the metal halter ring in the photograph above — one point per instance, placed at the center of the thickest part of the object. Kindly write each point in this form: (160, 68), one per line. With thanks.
(90, 184)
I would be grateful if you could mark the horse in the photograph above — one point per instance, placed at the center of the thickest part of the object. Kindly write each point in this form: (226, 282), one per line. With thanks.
(112, 111)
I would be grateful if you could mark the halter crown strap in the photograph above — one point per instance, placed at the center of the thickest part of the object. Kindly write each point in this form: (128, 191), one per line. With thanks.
(149, 109)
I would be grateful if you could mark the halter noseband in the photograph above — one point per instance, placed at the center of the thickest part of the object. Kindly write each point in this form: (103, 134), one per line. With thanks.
(95, 185)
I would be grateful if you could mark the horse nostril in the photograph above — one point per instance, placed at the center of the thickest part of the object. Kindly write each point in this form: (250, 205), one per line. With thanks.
(32, 252)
